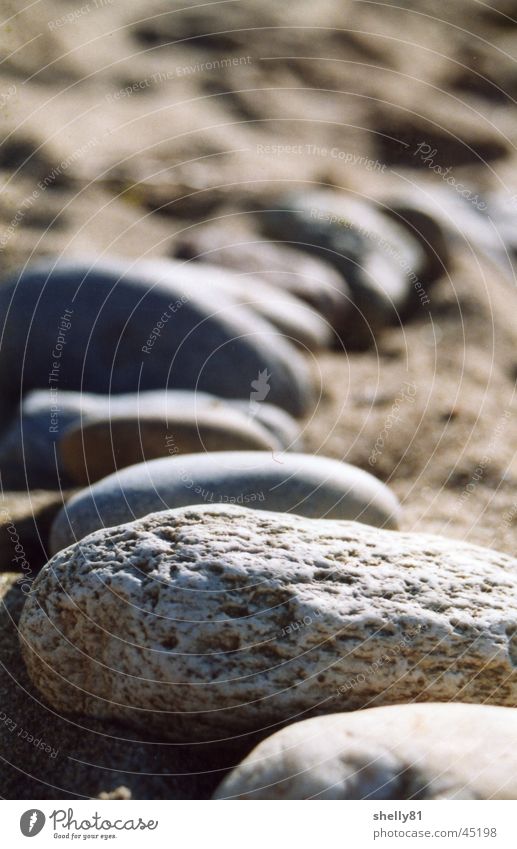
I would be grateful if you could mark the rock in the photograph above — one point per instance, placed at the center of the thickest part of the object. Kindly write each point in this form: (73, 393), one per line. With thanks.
(48, 756)
(235, 245)
(211, 622)
(119, 793)
(297, 483)
(28, 446)
(410, 209)
(375, 255)
(419, 751)
(93, 451)
(298, 322)
(498, 215)
(112, 327)
(473, 222)
(501, 210)
(277, 421)
(29, 455)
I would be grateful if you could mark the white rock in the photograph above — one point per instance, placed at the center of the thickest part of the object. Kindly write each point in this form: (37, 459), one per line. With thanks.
(419, 751)
(207, 622)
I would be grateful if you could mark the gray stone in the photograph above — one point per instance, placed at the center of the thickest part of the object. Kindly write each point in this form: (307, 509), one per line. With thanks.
(298, 322)
(374, 253)
(419, 751)
(236, 245)
(489, 225)
(304, 484)
(113, 327)
(410, 208)
(29, 455)
(92, 451)
(210, 622)
(277, 421)
(478, 224)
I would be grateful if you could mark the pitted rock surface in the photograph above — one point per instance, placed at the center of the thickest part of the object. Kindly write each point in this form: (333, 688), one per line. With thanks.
(208, 622)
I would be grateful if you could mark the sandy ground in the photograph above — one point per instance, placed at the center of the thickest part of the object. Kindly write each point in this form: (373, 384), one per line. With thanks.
(126, 126)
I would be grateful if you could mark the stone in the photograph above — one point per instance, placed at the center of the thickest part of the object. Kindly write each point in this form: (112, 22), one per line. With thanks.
(307, 485)
(501, 209)
(373, 252)
(119, 793)
(30, 446)
(85, 757)
(298, 322)
(277, 421)
(112, 327)
(93, 451)
(476, 224)
(418, 751)
(238, 246)
(497, 215)
(212, 622)
(410, 208)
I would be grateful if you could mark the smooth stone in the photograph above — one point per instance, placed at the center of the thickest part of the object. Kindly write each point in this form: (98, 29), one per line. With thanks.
(419, 751)
(474, 224)
(498, 214)
(92, 451)
(307, 485)
(501, 209)
(207, 623)
(410, 210)
(234, 245)
(29, 456)
(277, 421)
(298, 322)
(111, 340)
(374, 254)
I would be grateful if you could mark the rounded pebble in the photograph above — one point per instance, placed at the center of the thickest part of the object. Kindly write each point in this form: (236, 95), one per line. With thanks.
(93, 451)
(304, 484)
(111, 327)
(30, 448)
(421, 751)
